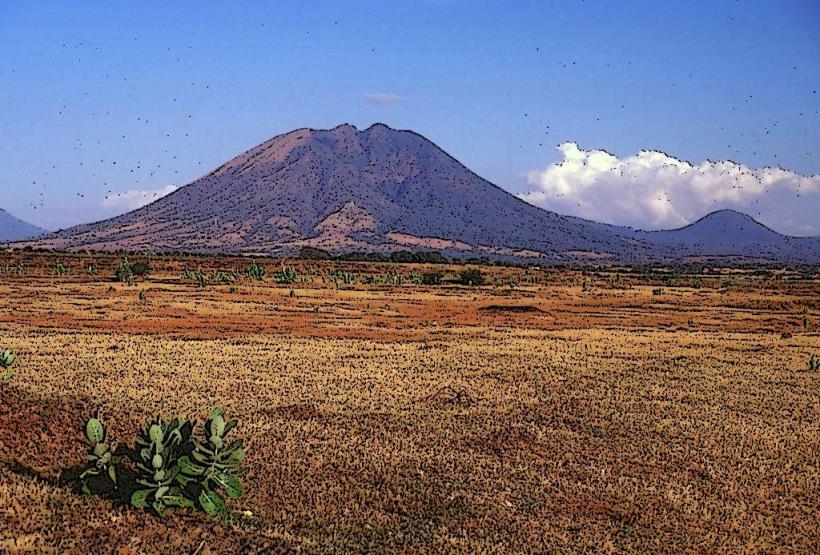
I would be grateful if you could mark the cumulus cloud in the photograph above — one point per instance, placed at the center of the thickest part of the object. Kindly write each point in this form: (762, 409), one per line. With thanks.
(653, 190)
(383, 99)
(131, 200)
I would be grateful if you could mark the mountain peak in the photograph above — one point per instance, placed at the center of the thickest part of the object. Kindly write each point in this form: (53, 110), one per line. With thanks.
(344, 128)
(380, 190)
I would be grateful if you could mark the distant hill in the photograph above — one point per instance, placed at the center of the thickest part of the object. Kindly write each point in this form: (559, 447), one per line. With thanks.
(382, 190)
(727, 233)
(14, 229)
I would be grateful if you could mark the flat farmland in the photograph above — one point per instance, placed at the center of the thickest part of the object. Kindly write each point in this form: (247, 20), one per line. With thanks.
(546, 410)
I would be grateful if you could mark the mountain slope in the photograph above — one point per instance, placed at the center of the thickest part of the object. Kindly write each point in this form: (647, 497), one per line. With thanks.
(14, 229)
(375, 190)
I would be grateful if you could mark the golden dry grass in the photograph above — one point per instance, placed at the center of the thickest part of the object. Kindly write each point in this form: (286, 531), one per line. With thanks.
(416, 419)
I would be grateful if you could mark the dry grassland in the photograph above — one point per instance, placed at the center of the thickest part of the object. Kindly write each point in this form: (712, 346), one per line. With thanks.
(536, 418)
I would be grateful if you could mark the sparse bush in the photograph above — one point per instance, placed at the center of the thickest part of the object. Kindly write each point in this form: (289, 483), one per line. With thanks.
(657, 291)
(431, 278)
(471, 277)
(141, 268)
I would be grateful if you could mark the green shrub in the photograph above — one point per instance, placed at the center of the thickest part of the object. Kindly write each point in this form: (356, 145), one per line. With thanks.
(168, 466)
(92, 270)
(100, 473)
(471, 277)
(214, 464)
(814, 363)
(7, 359)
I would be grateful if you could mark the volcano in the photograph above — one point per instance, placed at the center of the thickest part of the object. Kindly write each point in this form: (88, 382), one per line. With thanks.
(382, 190)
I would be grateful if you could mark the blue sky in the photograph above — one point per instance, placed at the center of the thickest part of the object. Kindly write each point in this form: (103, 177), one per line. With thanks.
(143, 96)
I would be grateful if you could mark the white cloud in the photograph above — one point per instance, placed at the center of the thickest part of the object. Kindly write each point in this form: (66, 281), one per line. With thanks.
(653, 190)
(383, 99)
(131, 200)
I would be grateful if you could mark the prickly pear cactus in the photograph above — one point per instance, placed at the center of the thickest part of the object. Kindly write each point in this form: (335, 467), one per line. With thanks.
(101, 462)
(215, 464)
(158, 449)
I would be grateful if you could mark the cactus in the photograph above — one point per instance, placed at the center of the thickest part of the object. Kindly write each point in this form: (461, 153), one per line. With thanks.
(344, 277)
(101, 459)
(7, 359)
(158, 449)
(59, 269)
(124, 272)
(214, 464)
(286, 275)
(256, 272)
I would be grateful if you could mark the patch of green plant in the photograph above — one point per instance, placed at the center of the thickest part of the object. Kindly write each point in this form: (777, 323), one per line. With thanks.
(92, 270)
(814, 363)
(7, 359)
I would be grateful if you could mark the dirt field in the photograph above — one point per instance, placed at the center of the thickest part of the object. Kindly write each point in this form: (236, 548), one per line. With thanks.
(559, 411)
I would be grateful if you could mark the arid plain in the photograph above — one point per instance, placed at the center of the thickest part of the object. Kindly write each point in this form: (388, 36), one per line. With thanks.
(546, 410)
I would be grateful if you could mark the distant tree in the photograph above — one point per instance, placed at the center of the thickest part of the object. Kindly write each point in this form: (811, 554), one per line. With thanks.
(472, 277)
(402, 257)
(312, 253)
